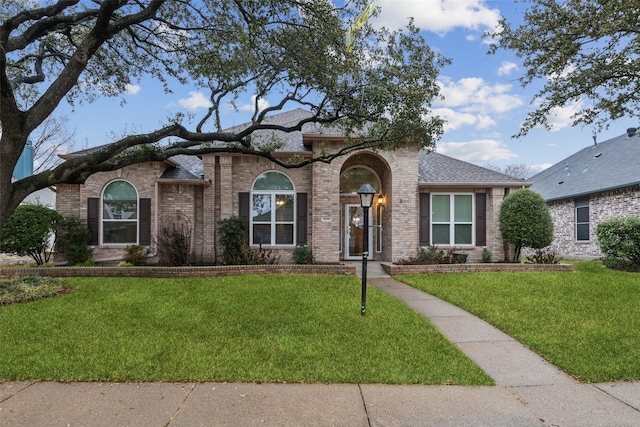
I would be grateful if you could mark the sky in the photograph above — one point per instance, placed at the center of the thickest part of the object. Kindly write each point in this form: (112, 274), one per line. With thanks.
(484, 104)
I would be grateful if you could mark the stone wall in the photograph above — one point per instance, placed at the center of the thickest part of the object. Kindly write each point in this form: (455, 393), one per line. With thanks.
(602, 207)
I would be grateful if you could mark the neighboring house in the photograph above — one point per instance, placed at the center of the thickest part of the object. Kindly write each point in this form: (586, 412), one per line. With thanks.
(23, 169)
(423, 199)
(598, 183)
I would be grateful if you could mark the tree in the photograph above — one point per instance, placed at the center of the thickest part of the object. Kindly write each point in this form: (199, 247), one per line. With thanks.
(380, 91)
(516, 170)
(525, 221)
(52, 138)
(585, 52)
(29, 232)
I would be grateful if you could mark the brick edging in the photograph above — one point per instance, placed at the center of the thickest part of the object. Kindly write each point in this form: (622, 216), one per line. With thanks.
(199, 271)
(395, 269)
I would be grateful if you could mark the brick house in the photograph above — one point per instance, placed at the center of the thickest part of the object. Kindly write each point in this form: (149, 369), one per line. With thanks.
(598, 183)
(422, 199)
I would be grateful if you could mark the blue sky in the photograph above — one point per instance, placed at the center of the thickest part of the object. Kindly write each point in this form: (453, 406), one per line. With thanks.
(484, 103)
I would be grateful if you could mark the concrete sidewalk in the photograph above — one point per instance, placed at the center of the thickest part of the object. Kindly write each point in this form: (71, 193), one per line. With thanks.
(530, 392)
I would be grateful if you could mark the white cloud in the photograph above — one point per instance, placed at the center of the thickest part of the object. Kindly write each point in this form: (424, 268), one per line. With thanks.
(561, 117)
(262, 104)
(132, 89)
(534, 169)
(472, 101)
(456, 120)
(439, 16)
(477, 151)
(506, 68)
(195, 101)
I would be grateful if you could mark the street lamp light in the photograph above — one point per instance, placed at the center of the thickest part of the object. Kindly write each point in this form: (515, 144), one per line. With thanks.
(366, 193)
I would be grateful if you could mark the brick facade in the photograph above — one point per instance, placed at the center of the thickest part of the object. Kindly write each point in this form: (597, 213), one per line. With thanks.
(602, 207)
(215, 196)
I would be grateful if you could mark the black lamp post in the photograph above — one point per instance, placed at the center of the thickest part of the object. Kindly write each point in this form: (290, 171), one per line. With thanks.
(366, 193)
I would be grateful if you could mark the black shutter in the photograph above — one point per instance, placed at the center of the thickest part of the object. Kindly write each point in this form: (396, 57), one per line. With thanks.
(425, 219)
(144, 222)
(243, 207)
(481, 219)
(93, 215)
(301, 220)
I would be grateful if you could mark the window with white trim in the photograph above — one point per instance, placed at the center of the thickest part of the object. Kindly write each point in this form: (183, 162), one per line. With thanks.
(119, 213)
(452, 219)
(272, 210)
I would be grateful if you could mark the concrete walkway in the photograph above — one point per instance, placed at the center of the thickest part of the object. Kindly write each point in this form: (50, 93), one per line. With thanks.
(529, 392)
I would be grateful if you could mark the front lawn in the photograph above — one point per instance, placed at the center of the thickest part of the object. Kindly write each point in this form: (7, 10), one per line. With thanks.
(586, 322)
(270, 328)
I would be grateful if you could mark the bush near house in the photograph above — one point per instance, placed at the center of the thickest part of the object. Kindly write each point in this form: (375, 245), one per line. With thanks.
(28, 231)
(302, 255)
(431, 255)
(525, 221)
(234, 239)
(73, 240)
(174, 243)
(619, 240)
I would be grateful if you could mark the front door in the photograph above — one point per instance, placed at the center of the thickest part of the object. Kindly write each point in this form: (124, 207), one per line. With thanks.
(354, 227)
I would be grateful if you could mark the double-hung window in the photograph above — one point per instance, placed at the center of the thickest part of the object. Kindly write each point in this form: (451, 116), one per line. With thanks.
(272, 210)
(452, 219)
(582, 219)
(119, 213)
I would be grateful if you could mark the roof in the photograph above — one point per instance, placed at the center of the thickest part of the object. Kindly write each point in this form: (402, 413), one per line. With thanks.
(188, 167)
(435, 168)
(600, 167)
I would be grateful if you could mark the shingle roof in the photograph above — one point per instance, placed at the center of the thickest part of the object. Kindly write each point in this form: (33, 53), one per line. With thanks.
(189, 167)
(440, 169)
(604, 166)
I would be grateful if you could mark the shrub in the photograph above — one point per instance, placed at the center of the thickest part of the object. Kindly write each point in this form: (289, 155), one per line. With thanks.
(430, 255)
(525, 221)
(135, 255)
(302, 255)
(30, 230)
(174, 242)
(31, 288)
(544, 256)
(73, 240)
(234, 239)
(619, 240)
(486, 255)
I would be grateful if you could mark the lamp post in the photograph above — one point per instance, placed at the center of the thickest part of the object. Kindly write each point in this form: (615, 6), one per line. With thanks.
(366, 193)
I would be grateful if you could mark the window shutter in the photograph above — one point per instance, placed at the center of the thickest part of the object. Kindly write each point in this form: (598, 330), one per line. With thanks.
(243, 207)
(301, 220)
(425, 219)
(481, 219)
(93, 215)
(144, 222)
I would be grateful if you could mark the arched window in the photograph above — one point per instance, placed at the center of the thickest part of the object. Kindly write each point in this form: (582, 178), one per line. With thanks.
(272, 210)
(119, 213)
(353, 178)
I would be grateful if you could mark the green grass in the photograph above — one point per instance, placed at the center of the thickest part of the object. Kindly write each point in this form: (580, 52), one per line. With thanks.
(586, 322)
(282, 328)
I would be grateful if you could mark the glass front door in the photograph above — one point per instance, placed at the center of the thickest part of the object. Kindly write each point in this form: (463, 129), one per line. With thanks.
(354, 227)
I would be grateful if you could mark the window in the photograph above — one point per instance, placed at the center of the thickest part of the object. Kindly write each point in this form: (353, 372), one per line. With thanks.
(272, 210)
(119, 213)
(451, 219)
(582, 219)
(353, 178)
